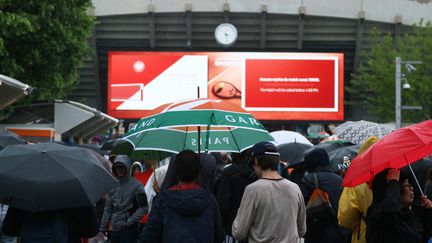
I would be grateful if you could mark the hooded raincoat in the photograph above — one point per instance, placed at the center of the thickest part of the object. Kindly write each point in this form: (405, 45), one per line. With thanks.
(354, 203)
(126, 204)
(184, 213)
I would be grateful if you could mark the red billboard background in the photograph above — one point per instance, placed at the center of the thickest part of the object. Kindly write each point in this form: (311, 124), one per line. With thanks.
(272, 86)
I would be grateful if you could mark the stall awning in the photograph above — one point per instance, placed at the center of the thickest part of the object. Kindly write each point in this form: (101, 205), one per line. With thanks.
(62, 119)
(73, 119)
(11, 90)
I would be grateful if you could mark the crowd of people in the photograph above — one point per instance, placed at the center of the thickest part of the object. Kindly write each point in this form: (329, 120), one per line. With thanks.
(235, 198)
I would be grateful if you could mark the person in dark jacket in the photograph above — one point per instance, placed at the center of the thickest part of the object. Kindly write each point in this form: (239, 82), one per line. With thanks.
(126, 204)
(63, 225)
(392, 216)
(184, 212)
(206, 177)
(317, 162)
(234, 179)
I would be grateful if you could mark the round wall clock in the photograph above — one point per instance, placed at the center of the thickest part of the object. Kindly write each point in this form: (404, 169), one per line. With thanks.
(226, 34)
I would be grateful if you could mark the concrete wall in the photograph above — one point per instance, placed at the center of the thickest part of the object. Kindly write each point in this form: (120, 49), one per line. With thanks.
(411, 11)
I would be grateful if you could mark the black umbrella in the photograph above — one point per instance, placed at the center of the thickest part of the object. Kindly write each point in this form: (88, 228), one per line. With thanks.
(48, 176)
(94, 147)
(340, 153)
(9, 138)
(110, 144)
(125, 147)
(340, 158)
(293, 153)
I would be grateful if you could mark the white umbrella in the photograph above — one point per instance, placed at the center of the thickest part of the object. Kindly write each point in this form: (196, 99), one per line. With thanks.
(282, 137)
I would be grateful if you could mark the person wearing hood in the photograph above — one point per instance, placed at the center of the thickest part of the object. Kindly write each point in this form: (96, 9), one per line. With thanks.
(125, 205)
(392, 216)
(354, 203)
(184, 212)
(317, 163)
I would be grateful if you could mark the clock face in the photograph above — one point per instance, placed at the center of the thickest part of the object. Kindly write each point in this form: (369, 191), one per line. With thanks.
(226, 34)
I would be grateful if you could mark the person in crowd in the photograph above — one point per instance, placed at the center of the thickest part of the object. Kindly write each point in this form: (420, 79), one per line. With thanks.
(272, 208)
(206, 178)
(136, 168)
(222, 159)
(428, 184)
(184, 212)
(317, 162)
(234, 179)
(298, 172)
(63, 225)
(154, 183)
(4, 238)
(143, 177)
(111, 158)
(354, 203)
(392, 216)
(126, 204)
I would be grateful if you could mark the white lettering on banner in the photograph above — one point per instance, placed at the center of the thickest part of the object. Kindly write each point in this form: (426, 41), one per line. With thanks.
(241, 120)
(254, 121)
(214, 141)
(295, 79)
(147, 123)
(232, 119)
(134, 127)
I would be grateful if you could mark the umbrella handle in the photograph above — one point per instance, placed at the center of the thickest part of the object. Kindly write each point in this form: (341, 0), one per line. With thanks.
(415, 178)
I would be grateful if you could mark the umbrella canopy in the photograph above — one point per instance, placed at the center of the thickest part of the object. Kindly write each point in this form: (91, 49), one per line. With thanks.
(340, 153)
(340, 158)
(213, 124)
(358, 131)
(94, 147)
(9, 138)
(110, 144)
(284, 137)
(48, 176)
(331, 138)
(125, 147)
(398, 149)
(293, 153)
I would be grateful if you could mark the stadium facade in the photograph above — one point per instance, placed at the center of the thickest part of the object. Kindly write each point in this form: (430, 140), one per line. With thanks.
(271, 26)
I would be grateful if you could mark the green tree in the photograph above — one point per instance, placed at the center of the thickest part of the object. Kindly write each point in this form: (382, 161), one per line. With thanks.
(373, 83)
(44, 42)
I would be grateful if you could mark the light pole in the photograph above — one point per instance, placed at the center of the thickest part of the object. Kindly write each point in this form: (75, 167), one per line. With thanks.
(398, 106)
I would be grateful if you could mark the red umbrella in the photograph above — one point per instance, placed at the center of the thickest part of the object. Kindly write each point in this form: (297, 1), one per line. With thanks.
(396, 150)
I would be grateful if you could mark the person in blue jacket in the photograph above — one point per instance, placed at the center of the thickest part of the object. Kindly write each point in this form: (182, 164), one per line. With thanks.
(184, 212)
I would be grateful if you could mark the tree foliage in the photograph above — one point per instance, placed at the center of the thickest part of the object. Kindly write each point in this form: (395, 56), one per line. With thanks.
(373, 83)
(44, 42)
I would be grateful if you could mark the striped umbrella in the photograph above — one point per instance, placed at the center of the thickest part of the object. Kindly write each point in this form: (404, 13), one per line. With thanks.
(202, 125)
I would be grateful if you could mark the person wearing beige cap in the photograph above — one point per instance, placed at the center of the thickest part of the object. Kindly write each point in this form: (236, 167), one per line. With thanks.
(354, 203)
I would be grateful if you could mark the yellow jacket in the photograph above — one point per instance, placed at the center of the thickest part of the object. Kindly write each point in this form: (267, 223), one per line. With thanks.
(353, 205)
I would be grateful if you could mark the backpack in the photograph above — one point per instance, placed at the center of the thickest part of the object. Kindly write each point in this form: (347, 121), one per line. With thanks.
(319, 211)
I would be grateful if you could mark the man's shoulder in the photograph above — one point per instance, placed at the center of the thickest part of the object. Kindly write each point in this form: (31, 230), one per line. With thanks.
(265, 184)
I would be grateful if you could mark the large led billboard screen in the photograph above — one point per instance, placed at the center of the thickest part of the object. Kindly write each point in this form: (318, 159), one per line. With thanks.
(272, 86)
